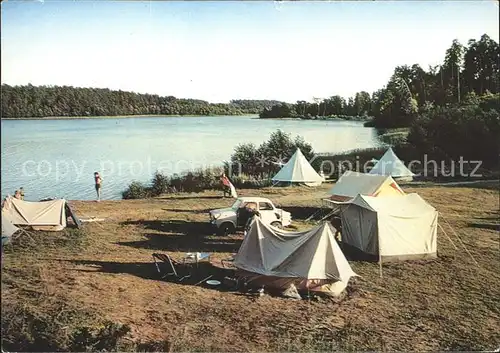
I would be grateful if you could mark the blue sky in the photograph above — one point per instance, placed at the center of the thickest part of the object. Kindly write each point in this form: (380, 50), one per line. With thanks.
(224, 50)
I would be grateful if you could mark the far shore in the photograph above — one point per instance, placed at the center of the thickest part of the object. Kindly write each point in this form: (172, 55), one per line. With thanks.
(124, 116)
(253, 116)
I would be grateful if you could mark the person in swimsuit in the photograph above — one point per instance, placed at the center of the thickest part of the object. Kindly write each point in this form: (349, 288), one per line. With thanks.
(21, 191)
(98, 182)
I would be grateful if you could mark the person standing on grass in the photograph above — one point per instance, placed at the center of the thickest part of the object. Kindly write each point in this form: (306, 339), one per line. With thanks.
(98, 183)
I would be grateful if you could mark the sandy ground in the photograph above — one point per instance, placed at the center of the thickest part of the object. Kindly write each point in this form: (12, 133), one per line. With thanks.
(449, 303)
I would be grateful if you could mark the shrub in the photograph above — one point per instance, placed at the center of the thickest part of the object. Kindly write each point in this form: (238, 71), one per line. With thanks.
(349, 160)
(160, 184)
(260, 162)
(136, 190)
(469, 131)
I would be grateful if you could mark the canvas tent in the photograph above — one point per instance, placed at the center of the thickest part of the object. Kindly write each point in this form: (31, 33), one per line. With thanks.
(350, 184)
(309, 260)
(47, 215)
(392, 228)
(391, 165)
(298, 170)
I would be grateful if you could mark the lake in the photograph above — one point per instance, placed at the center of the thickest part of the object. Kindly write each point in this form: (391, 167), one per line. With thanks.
(57, 158)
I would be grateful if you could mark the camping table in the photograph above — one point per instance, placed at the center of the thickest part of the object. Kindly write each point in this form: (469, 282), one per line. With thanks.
(191, 258)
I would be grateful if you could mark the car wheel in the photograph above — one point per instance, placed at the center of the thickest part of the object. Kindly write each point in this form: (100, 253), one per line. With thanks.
(226, 229)
(277, 224)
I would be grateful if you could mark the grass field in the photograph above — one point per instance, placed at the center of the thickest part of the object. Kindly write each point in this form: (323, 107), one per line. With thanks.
(97, 287)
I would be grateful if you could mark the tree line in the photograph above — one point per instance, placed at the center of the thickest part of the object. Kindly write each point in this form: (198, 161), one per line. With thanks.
(466, 72)
(358, 107)
(47, 101)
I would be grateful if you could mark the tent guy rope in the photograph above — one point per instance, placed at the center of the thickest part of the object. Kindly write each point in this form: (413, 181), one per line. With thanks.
(461, 242)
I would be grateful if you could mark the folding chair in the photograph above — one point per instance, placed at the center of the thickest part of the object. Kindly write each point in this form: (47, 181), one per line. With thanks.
(164, 258)
(193, 258)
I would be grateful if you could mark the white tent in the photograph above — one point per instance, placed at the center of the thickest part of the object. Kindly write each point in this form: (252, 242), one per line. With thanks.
(350, 184)
(298, 170)
(46, 215)
(392, 228)
(391, 165)
(310, 259)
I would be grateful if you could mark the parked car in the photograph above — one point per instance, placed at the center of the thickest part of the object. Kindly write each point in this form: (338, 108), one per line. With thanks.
(228, 220)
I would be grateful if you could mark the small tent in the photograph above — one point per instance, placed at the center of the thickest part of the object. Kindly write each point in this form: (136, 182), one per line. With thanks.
(298, 170)
(350, 184)
(45, 215)
(391, 165)
(309, 260)
(392, 228)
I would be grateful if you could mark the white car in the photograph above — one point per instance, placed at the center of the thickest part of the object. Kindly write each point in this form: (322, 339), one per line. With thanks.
(226, 221)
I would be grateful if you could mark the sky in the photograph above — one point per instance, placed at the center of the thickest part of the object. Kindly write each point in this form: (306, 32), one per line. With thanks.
(224, 50)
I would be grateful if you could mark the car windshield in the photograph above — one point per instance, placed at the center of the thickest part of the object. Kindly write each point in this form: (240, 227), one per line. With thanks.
(236, 204)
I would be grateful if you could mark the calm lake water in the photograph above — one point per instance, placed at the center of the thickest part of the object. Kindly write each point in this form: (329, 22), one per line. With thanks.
(57, 158)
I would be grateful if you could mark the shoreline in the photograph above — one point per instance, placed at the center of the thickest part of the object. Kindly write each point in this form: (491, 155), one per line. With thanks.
(253, 116)
(127, 117)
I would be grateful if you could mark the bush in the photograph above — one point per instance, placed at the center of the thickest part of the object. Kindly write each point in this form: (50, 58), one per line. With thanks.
(160, 184)
(394, 138)
(136, 190)
(469, 131)
(244, 181)
(260, 162)
(350, 160)
(193, 181)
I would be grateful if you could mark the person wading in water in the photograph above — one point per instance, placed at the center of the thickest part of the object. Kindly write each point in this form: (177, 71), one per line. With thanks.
(98, 182)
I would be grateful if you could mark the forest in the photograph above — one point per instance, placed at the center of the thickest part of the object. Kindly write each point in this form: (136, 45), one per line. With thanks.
(55, 101)
(467, 73)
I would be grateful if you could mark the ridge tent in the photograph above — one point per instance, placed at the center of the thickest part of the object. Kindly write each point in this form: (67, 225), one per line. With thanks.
(298, 170)
(45, 215)
(350, 184)
(392, 228)
(391, 165)
(309, 260)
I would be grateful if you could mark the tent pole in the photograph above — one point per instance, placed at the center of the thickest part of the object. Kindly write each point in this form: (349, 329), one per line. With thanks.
(380, 263)
(379, 257)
